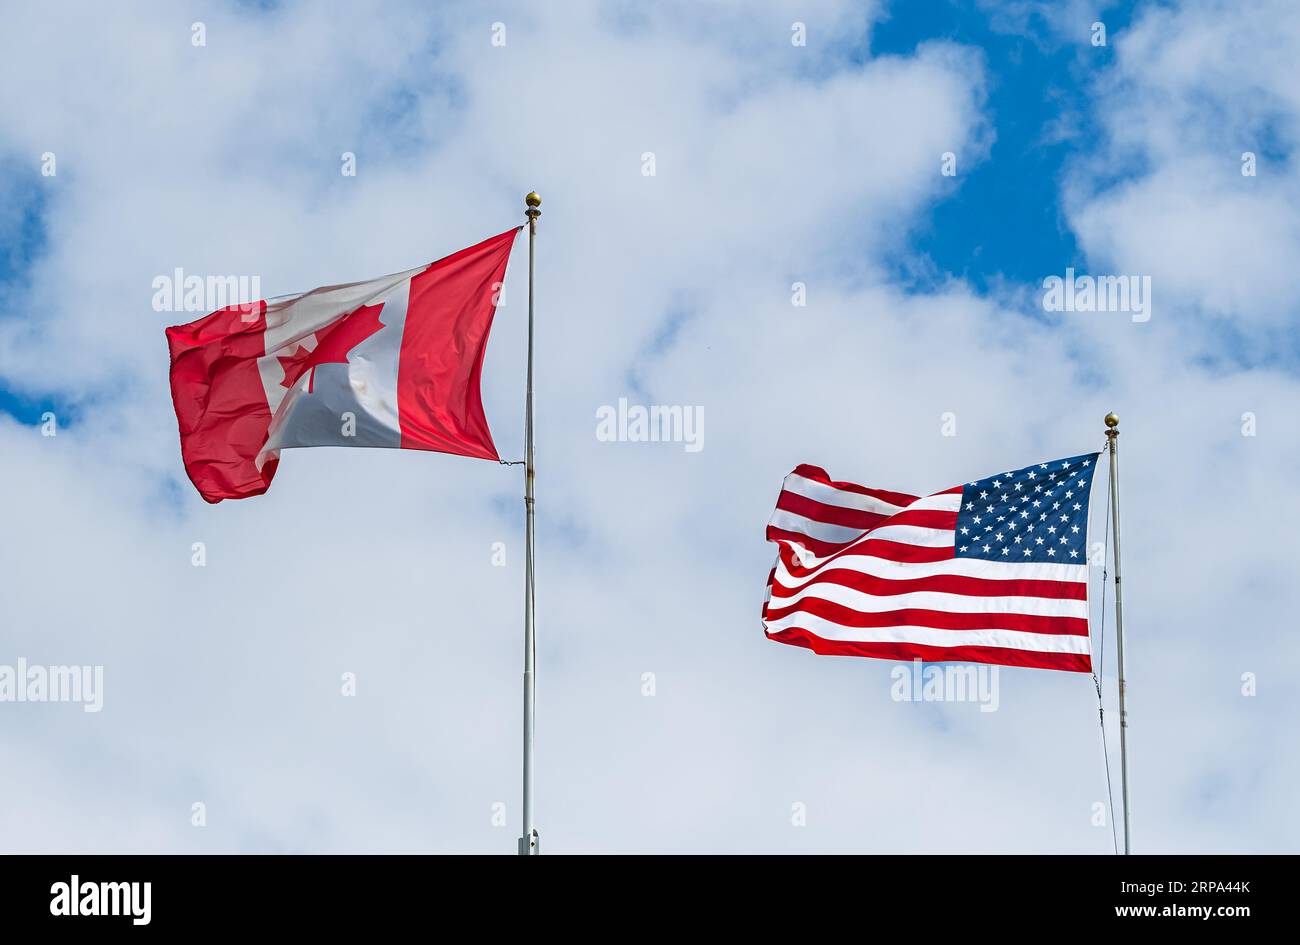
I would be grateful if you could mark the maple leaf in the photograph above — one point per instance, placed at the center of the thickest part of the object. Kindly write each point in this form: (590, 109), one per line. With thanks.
(294, 364)
(333, 344)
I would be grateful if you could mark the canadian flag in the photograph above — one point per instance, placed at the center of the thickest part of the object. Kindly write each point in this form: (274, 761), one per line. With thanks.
(394, 362)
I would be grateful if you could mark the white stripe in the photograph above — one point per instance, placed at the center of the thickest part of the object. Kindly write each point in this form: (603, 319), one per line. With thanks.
(829, 495)
(291, 318)
(865, 603)
(909, 535)
(943, 502)
(364, 389)
(960, 567)
(928, 636)
(842, 535)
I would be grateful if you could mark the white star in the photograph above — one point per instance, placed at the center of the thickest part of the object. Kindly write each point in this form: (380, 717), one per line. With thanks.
(1074, 554)
(1051, 552)
(1051, 529)
(965, 530)
(986, 549)
(1038, 540)
(1026, 551)
(1005, 550)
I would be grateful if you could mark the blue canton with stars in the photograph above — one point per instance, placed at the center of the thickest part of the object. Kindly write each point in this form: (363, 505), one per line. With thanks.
(1039, 513)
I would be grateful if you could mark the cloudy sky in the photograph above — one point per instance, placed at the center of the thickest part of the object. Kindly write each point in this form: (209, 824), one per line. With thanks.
(133, 142)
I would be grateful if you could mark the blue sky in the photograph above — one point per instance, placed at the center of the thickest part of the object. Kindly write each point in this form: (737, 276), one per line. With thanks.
(22, 238)
(1004, 218)
(775, 164)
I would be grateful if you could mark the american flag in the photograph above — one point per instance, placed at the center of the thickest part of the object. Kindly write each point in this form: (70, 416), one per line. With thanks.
(995, 571)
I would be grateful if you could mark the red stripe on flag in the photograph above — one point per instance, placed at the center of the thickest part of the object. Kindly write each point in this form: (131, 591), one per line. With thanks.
(924, 518)
(1068, 662)
(439, 403)
(830, 514)
(220, 402)
(938, 619)
(817, 474)
(898, 551)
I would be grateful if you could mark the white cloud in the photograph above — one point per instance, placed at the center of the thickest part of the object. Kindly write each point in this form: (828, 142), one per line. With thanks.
(1194, 87)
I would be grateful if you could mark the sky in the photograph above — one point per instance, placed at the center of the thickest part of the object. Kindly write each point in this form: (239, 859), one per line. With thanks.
(667, 723)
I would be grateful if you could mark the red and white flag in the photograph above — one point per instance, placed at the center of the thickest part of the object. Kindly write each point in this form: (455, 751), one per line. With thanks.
(394, 362)
(994, 571)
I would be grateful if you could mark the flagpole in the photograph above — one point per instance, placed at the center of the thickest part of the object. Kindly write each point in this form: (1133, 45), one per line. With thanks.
(529, 842)
(1112, 435)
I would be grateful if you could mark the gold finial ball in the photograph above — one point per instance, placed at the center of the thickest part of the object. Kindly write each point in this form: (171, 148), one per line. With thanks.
(533, 200)
(1112, 420)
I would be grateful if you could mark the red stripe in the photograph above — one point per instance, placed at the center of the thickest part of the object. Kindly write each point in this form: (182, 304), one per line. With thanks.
(817, 474)
(924, 518)
(941, 583)
(439, 404)
(938, 619)
(898, 551)
(830, 514)
(1003, 656)
(220, 402)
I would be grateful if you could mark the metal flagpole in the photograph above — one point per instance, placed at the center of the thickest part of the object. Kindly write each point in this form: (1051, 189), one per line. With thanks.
(528, 843)
(1112, 436)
